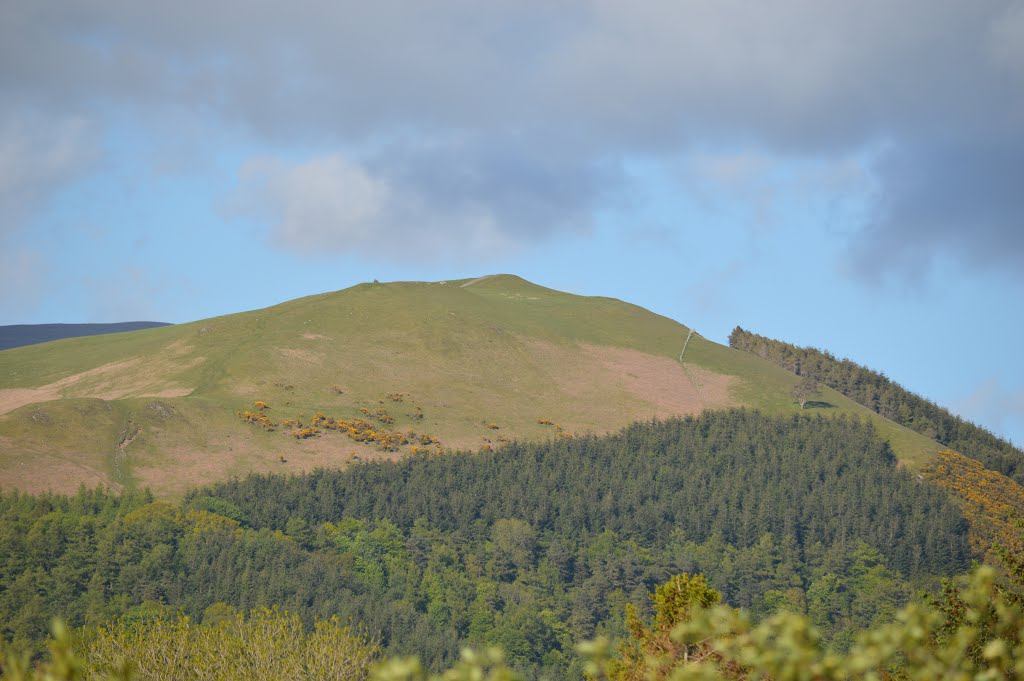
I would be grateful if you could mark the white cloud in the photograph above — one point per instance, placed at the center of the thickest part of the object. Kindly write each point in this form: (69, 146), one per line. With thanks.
(323, 204)
(334, 205)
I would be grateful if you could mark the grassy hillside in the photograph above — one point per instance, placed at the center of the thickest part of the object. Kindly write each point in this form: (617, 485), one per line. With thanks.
(468, 363)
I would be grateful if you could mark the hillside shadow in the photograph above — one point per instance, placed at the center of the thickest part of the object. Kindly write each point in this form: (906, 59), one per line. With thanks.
(812, 404)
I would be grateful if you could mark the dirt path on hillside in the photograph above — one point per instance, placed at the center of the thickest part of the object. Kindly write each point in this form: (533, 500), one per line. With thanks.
(478, 279)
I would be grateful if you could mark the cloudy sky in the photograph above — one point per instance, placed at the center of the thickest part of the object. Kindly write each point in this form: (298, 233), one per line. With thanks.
(848, 175)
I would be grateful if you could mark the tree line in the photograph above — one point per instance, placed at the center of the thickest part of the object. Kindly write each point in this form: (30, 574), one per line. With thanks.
(884, 396)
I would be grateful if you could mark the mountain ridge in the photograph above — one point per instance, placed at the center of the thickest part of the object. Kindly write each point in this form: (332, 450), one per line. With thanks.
(19, 335)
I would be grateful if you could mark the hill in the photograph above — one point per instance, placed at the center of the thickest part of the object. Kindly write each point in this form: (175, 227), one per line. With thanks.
(376, 371)
(17, 335)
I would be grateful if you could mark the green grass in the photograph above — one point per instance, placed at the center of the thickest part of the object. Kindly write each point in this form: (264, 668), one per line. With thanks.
(499, 350)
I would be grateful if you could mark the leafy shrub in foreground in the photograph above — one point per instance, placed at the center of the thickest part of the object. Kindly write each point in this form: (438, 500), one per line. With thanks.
(268, 644)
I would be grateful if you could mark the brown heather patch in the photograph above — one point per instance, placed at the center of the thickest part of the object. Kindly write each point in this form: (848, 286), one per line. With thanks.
(616, 386)
(662, 381)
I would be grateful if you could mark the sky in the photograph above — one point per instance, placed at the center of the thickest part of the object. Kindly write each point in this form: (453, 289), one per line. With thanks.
(844, 175)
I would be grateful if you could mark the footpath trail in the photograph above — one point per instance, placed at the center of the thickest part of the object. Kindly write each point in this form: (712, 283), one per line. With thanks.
(478, 279)
(689, 374)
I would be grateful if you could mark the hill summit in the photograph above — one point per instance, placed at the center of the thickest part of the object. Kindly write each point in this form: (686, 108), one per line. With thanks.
(378, 370)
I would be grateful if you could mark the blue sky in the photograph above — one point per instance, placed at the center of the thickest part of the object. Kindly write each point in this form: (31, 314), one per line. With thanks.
(842, 175)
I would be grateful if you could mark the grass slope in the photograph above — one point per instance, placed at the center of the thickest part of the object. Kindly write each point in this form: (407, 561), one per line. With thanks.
(158, 407)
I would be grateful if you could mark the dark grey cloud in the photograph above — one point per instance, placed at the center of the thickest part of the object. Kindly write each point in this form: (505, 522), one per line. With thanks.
(937, 200)
(570, 87)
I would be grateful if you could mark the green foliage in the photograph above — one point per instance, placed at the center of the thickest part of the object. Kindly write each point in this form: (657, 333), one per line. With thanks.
(804, 390)
(886, 397)
(61, 665)
(531, 549)
(737, 474)
(983, 641)
(221, 507)
(487, 665)
(650, 647)
(976, 632)
(268, 644)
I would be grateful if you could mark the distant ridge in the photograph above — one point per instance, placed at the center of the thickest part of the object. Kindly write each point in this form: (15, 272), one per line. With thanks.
(17, 335)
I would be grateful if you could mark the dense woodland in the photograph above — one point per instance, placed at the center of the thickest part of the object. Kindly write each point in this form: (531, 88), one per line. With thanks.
(531, 548)
(973, 630)
(886, 397)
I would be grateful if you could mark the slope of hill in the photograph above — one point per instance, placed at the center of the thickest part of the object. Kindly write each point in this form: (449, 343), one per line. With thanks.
(886, 397)
(17, 335)
(984, 472)
(373, 371)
